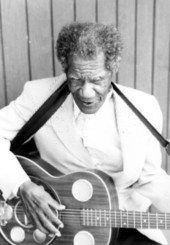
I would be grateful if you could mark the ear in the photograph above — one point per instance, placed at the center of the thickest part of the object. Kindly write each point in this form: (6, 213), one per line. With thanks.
(116, 64)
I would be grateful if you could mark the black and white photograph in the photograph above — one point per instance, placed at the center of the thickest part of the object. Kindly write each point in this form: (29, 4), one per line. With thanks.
(85, 122)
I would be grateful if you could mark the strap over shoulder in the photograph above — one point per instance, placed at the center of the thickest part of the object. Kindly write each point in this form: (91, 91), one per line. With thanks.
(165, 143)
(40, 117)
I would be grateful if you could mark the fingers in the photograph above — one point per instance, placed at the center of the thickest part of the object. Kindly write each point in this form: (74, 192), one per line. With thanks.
(48, 225)
(45, 218)
(55, 205)
(42, 209)
(37, 223)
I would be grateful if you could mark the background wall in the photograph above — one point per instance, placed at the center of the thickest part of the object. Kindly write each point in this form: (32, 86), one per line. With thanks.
(29, 28)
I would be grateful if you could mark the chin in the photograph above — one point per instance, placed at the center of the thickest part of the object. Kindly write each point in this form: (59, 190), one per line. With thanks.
(88, 110)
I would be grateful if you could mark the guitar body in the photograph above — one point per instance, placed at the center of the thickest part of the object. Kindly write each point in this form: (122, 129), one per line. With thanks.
(83, 193)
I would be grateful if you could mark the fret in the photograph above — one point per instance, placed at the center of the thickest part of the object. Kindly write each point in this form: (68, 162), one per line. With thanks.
(115, 219)
(83, 217)
(87, 217)
(91, 217)
(95, 217)
(105, 222)
(168, 220)
(98, 218)
(137, 217)
(153, 221)
(102, 218)
(124, 219)
(145, 219)
(165, 221)
(156, 221)
(110, 217)
(161, 221)
(148, 220)
(131, 220)
(134, 223)
(118, 219)
(127, 219)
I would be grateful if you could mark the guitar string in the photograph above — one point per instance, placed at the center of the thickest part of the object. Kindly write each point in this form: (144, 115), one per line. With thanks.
(119, 223)
(117, 215)
(100, 212)
(105, 212)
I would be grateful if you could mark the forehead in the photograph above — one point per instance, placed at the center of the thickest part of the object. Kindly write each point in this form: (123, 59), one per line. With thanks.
(81, 65)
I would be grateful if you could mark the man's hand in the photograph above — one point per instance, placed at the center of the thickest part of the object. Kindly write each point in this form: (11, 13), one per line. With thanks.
(40, 207)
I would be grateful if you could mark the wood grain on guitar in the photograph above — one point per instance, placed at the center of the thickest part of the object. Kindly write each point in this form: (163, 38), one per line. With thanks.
(91, 216)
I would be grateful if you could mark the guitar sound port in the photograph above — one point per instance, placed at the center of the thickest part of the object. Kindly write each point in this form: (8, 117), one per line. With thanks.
(20, 216)
(38, 236)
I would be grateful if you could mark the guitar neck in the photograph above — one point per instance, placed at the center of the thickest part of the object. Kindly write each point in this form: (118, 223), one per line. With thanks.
(125, 219)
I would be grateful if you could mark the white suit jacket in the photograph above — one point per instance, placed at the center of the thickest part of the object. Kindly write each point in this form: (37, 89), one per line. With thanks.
(60, 145)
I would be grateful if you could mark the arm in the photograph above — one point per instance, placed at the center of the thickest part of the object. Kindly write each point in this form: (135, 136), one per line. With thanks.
(36, 200)
(12, 118)
(154, 183)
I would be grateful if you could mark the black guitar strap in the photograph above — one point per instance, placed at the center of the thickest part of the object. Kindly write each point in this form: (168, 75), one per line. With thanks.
(40, 117)
(165, 143)
(54, 102)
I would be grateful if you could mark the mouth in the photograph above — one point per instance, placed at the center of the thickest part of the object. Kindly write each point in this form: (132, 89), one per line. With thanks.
(86, 103)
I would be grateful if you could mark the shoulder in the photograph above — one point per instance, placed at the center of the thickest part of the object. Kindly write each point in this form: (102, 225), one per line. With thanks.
(39, 90)
(135, 94)
(146, 103)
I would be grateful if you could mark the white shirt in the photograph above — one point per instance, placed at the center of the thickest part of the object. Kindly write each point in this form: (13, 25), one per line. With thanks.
(100, 135)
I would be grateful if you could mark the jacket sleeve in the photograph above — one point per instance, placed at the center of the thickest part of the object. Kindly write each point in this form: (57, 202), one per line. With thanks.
(154, 182)
(12, 118)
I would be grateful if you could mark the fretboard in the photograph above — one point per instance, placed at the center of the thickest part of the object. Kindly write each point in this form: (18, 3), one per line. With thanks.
(125, 219)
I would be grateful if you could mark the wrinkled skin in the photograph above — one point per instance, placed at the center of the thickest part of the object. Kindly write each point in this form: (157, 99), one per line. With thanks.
(89, 82)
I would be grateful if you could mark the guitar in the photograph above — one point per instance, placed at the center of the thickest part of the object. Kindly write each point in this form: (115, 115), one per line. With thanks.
(91, 216)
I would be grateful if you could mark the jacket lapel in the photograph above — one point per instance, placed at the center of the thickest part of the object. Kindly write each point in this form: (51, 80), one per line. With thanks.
(64, 126)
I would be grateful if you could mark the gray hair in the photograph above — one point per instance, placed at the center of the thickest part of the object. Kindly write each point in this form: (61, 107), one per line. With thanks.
(86, 40)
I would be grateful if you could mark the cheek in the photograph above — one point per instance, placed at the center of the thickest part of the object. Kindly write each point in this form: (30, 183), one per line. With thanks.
(103, 91)
(71, 87)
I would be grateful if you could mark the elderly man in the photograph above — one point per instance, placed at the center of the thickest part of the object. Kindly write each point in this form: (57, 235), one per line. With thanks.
(92, 129)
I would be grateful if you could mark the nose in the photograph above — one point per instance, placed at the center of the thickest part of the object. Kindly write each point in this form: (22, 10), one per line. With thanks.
(87, 90)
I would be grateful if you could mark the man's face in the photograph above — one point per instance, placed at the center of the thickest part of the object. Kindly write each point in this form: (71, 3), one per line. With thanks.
(89, 82)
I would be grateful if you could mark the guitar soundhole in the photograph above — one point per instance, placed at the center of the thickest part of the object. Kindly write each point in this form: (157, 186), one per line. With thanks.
(19, 230)
(20, 216)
